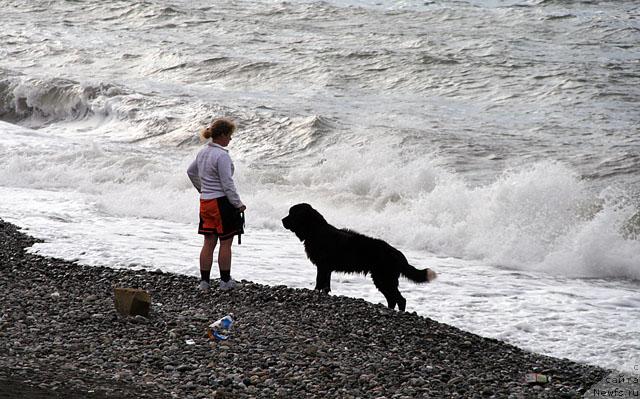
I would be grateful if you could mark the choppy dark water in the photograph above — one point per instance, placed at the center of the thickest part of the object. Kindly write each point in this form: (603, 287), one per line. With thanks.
(485, 85)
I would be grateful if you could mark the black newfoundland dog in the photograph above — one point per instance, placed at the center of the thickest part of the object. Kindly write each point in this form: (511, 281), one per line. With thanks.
(343, 250)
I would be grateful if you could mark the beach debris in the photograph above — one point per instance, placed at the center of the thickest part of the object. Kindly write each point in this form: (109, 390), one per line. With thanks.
(536, 378)
(190, 342)
(219, 330)
(132, 301)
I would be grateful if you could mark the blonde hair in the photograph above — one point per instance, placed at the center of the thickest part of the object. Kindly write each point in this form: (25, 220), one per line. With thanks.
(219, 127)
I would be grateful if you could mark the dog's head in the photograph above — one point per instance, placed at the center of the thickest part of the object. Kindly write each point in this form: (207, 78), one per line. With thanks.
(303, 220)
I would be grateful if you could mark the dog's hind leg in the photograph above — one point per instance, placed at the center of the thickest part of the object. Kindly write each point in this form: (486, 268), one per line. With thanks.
(382, 284)
(395, 298)
(402, 303)
(391, 299)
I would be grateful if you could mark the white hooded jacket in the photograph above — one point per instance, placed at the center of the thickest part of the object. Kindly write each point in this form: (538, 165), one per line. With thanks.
(212, 174)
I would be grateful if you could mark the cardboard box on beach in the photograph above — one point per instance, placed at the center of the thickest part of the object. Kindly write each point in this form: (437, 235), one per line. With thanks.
(132, 301)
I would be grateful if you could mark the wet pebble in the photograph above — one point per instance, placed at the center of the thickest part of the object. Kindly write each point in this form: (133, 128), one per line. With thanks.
(284, 343)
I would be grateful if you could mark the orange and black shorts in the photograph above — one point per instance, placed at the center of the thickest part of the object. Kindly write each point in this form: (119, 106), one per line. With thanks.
(219, 217)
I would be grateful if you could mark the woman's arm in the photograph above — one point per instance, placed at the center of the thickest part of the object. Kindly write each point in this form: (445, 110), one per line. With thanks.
(225, 173)
(192, 171)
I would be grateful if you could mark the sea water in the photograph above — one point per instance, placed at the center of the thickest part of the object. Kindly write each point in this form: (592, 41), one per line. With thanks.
(495, 142)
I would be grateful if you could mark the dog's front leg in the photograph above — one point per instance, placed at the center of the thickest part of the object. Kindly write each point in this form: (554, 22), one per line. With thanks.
(323, 280)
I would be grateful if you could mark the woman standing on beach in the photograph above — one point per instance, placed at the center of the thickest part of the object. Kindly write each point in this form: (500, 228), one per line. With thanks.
(220, 206)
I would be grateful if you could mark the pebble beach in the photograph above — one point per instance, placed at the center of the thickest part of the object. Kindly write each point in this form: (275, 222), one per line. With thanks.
(60, 336)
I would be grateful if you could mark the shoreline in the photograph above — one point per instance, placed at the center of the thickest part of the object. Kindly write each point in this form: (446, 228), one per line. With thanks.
(61, 336)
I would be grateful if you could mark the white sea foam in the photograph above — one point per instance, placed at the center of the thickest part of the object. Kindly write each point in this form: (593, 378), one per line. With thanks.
(540, 217)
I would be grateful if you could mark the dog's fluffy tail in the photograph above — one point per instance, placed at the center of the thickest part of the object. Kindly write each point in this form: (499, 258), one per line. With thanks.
(418, 275)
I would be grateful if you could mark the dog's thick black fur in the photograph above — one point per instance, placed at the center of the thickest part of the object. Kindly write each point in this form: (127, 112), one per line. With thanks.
(343, 250)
